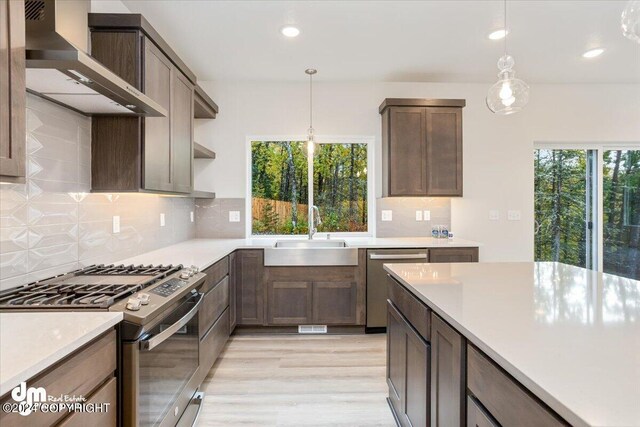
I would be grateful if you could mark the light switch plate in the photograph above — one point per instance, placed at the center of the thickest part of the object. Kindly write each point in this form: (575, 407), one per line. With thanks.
(426, 215)
(116, 224)
(162, 223)
(514, 215)
(387, 215)
(191, 216)
(234, 216)
(494, 215)
(418, 215)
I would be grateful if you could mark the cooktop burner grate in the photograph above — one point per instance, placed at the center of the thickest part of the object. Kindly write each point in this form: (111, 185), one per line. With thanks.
(97, 287)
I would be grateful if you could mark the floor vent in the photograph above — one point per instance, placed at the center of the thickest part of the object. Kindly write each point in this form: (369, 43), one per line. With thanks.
(312, 329)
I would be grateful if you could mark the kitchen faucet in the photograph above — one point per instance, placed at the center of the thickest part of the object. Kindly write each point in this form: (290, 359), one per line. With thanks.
(314, 220)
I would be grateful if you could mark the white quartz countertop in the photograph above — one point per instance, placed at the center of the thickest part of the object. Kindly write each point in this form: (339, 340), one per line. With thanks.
(205, 252)
(31, 342)
(569, 335)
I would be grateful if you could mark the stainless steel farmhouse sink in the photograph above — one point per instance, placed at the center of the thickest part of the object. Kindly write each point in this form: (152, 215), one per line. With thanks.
(310, 253)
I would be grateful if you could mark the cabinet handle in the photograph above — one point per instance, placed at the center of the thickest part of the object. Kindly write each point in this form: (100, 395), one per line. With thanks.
(398, 256)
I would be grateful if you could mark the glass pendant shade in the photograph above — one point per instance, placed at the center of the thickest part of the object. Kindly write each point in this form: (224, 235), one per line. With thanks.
(509, 94)
(630, 21)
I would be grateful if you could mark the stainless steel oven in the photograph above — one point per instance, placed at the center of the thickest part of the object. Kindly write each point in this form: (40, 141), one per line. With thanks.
(159, 366)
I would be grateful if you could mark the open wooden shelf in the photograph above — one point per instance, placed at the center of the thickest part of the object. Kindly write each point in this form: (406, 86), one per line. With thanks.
(203, 105)
(202, 152)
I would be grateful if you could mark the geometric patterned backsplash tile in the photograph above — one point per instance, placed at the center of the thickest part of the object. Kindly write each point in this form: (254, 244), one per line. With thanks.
(52, 224)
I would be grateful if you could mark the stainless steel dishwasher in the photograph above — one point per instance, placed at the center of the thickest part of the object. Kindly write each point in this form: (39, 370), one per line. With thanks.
(377, 282)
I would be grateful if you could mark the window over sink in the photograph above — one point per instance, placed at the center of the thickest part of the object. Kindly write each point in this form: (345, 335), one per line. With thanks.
(280, 174)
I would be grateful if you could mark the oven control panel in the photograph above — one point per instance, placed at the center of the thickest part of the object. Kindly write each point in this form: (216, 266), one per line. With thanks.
(168, 287)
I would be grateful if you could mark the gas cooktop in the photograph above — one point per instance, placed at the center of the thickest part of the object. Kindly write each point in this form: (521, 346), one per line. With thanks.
(94, 287)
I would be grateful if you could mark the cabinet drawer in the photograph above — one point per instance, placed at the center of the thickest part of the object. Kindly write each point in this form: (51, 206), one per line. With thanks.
(213, 343)
(476, 416)
(105, 394)
(213, 304)
(453, 255)
(414, 310)
(505, 399)
(215, 273)
(79, 374)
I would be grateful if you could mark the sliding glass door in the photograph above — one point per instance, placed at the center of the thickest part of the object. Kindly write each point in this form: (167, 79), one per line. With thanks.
(621, 212)
(571, 187)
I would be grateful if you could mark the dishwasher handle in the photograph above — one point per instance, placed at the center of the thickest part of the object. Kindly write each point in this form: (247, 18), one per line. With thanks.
(416, 256)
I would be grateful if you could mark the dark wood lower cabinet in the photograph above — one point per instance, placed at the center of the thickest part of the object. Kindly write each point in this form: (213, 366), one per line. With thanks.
(407, 371)
(334, 303)
(477, 416)
(233, 269)
(250, 287)
(453, 255)
(448, 375)
(289, 303)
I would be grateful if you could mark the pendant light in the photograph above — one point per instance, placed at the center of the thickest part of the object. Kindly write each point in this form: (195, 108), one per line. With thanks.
(630, 21)
(310, 137)
(509, 95)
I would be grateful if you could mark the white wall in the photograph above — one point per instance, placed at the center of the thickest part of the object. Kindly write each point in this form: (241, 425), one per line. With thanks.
(498, 160)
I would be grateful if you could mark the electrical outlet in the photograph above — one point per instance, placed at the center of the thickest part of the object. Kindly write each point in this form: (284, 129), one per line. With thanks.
(387, 215)
(494, 215)
(191, 216)
(116, 224)
(418, 215)
(514, 215)
(234, 216)
(426, 215)
(162, 223)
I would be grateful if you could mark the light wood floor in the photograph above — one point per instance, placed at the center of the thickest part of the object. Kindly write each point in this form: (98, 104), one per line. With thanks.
(292, 380)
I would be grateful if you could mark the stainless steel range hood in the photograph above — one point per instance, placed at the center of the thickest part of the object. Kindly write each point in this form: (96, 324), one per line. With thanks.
(59, 69)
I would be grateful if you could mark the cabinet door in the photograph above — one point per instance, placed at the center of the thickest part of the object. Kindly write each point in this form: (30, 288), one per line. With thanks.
(157, 130)
(453, 255)
(477, 416)
(447, 375)
(289, 303)
(232, 291)
(334, 303)
(444, 151)
(182, 133)
(407, 152)
(12, 91)
(417, 381)
(250, 287)
(396, 359)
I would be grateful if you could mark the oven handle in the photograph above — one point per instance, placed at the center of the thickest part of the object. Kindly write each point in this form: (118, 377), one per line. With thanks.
(156, 340)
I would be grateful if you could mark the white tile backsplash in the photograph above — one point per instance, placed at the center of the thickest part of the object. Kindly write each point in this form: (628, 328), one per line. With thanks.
(52, 224)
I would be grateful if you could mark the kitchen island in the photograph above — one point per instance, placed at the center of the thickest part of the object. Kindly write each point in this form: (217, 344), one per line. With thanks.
(562, 341)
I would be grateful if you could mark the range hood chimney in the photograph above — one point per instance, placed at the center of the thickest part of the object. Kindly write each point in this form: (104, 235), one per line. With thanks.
(59, 68)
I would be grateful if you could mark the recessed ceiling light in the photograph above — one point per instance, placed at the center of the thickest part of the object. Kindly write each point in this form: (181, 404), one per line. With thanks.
(290, 31)
(592, 53)
(498, 34)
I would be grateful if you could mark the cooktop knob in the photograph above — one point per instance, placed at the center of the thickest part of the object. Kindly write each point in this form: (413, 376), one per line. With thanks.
(133, 304)
(194, 269)
(185, 274)
(144, 298)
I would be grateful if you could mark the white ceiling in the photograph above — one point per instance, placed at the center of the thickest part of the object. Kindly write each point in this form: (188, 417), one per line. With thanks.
(396, 41)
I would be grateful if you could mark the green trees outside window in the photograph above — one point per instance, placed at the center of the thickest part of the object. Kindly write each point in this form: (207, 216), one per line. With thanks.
(279, 187)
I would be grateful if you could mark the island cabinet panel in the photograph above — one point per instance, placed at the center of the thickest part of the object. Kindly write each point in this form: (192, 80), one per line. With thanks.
(90, 372)
(421, 147)
(413, 309)
(12, 92)
(407, 370)
(505, 399)
(453, 255)
(233, 269)
(447, 375)
(250, 290)
(289, 303)
(477, 416)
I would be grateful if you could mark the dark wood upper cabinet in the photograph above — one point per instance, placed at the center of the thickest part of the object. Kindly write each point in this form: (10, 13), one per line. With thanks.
(132, 154)
(12, 92)
(421, 147)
